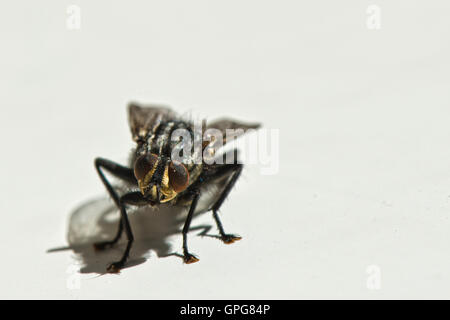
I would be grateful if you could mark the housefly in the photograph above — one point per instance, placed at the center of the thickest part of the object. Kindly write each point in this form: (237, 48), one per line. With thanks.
(164, 168)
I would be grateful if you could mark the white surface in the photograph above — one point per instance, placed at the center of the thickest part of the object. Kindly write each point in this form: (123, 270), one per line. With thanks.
(364, 142)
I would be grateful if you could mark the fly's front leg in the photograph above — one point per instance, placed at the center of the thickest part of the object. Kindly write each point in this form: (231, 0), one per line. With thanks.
(133, 198)
(189, 258)
(123, 173)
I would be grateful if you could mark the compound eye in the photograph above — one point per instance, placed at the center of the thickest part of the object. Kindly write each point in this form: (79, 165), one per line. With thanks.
(144, 164)
(178, 176)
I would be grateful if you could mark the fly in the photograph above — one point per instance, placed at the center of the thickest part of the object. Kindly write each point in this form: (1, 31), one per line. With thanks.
(156, 177)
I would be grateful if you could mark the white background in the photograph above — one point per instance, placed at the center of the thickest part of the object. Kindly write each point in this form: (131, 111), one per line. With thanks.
(364, 151)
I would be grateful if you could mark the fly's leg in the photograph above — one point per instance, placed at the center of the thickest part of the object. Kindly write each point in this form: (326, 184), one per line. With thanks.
(133, 198)
(189, 258)
(236, 172)
(220, 170)
(116, 266)
(120, 172)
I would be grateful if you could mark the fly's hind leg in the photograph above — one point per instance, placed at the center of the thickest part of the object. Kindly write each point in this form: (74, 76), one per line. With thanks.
(232, 171)
(123, 173)
(235, 171)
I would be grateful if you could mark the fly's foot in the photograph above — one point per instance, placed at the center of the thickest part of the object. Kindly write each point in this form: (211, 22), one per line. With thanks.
(189, 258)
(230, 238)
(115, 267)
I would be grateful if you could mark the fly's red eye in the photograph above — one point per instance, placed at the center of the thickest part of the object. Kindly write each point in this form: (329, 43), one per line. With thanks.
(178, 176)
(144, 164)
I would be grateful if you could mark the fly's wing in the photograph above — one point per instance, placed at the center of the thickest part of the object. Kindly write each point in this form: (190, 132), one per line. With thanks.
(229, 128)
(144, 120)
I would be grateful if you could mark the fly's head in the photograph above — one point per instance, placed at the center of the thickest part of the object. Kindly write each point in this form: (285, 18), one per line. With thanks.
(159, 178)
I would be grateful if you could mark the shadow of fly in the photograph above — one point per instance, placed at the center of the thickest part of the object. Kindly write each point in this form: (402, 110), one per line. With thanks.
(172, 164)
